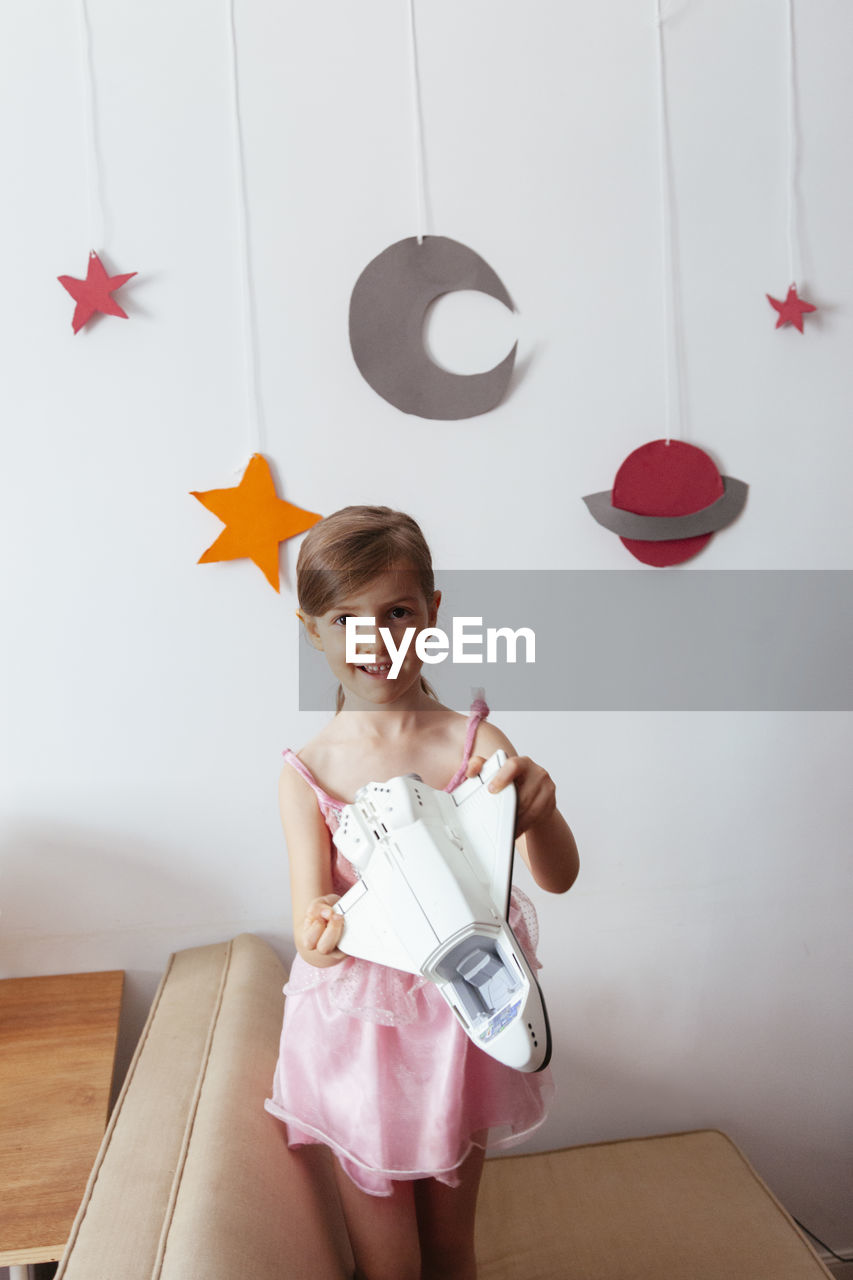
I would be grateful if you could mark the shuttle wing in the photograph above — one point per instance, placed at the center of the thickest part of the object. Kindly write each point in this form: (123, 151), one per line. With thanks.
(488, 828)
(369, 932)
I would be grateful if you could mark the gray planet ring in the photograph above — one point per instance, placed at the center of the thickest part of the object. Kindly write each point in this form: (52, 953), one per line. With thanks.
(627, 524)
(386, 320)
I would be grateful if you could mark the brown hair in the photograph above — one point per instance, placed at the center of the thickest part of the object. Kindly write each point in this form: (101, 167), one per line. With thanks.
(348, 549)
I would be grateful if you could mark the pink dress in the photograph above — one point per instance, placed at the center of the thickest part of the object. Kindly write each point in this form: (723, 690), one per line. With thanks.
(374, 1064)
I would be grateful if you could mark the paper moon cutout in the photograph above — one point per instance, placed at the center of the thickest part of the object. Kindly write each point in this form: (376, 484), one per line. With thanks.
(666, 502)
(386, 321)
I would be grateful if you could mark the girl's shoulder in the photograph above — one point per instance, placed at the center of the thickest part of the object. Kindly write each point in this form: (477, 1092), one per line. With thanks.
(489, 738)
(309, 751)
(461, 736)
(307, 764)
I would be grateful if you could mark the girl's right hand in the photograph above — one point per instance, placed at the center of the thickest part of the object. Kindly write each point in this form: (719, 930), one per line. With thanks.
(322, 927)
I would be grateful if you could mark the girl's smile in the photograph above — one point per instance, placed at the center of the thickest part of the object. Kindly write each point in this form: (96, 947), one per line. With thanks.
(378, 672)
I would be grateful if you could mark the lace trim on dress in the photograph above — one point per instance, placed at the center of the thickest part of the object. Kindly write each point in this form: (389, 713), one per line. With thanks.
(361, 989)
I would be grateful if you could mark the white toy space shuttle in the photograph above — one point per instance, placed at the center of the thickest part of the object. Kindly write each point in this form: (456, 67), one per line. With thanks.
(435, 870)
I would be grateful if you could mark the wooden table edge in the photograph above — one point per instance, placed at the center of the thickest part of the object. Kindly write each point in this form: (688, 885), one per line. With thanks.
(28, 1257)
(33, 1254)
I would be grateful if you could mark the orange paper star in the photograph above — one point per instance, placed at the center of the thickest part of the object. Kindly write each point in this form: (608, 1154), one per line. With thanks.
(256, 520)
(94, 293)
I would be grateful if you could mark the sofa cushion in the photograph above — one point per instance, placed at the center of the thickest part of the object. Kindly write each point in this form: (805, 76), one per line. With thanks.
(665, 1208)
(194, 1180)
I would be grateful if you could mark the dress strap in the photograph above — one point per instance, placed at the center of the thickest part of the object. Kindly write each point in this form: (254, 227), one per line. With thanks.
(323, 796)
(479, 711)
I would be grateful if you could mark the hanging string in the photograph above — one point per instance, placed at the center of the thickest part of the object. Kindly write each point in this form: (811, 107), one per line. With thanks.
(793, 236)
(671, 327)
(417, 126)
(97, 217)
(250, 337)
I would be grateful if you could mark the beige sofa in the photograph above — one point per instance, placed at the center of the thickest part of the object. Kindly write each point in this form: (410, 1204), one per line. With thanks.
(194, 1180)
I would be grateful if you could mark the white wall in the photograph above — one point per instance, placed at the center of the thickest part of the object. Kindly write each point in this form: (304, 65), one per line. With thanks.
(698, 975)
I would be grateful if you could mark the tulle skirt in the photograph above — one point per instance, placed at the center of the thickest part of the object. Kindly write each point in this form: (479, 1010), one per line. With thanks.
(374, 1064)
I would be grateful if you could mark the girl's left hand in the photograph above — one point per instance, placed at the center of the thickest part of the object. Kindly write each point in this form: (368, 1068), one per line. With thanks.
(536, 794)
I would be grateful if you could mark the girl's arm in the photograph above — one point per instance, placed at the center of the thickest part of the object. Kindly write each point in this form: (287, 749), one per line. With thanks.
(545, 840)
(317, 928)
(550, 852)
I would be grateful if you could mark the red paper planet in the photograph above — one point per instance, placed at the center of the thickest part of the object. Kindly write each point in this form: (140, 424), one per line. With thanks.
(667, 500)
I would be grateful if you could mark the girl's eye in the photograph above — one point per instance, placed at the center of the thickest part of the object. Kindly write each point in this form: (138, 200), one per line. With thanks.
(341, 621)
(400, 611)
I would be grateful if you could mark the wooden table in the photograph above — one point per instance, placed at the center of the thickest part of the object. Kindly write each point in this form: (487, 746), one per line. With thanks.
(57, 1050)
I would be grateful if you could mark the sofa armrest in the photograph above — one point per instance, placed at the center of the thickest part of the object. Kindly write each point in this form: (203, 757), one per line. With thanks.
(194, 1179)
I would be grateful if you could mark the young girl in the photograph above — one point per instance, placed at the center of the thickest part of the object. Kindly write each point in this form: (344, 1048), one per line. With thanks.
(373, 1062)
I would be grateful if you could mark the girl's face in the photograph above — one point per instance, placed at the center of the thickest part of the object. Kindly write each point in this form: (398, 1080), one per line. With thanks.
(396, 600)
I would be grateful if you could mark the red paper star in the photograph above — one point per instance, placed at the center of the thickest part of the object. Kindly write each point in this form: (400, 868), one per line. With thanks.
(93, 293)
(256, 520)
(792, 310)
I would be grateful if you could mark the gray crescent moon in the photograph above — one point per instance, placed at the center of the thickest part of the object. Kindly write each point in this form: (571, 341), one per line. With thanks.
(627, 524)
(386, 320)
